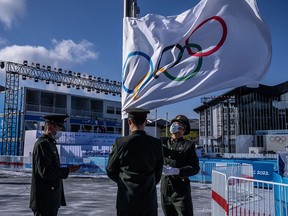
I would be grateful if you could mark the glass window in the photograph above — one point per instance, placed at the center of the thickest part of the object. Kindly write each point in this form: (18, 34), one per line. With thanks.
(60, 101)
(47, 99)
(87, 128)
(75, 128)
(32, 97)
(100, 129)
(80, 103)
(31, 125)
(97, 106)
(109, 129)
(118, 110)
(110, 109)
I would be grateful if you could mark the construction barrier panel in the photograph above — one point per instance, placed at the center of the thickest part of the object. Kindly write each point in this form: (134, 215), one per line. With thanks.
(238, 196)
(200, 176)
(220, 175)
(263, 170)
(14, 163)
(281, 195)
(209, 166)
(219, 205)
(97, 165)
(249, 197)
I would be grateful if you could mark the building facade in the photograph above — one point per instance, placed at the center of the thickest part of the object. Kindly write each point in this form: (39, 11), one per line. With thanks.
(229, 123)
(86, 115)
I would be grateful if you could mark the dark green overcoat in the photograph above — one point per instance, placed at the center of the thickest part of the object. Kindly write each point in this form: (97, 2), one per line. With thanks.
(46, 185)
(135, 164)
(182, 155)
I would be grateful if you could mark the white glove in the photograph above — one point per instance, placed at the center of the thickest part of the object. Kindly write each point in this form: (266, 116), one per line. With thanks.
(167, 170)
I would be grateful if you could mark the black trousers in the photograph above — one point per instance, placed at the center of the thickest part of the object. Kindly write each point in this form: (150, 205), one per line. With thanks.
(45, 212)
(174, 204)
(154, 212)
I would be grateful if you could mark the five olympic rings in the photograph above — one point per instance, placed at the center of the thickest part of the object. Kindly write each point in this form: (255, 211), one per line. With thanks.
(278, 139)
(143, 81)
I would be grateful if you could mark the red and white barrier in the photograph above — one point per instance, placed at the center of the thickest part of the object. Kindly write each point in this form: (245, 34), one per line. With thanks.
(244, 196)
(220, 185)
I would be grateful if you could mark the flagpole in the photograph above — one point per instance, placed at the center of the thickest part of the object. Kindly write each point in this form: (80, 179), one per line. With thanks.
(127, 6)
(166, 124)
(130, 10)
(156, 123)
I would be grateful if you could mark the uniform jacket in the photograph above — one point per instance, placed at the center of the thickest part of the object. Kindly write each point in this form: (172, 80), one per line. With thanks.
(135, 164)
(46, 185)
(182, 155)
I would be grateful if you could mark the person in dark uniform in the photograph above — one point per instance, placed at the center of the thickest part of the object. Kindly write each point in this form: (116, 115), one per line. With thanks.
(135, 164)
(47, 193)
(180, 162)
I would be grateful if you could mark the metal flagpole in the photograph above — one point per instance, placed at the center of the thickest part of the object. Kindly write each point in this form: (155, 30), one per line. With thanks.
(156, 124)
(130, 10)
(166, 124)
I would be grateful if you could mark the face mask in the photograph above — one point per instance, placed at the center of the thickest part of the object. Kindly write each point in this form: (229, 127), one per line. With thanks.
(174, 128)
(57, 135)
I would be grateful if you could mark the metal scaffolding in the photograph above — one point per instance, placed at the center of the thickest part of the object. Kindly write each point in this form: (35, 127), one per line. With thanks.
(11, 115)
(11, 128)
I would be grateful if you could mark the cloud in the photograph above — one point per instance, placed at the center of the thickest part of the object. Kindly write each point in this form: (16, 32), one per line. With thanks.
(61, 53)
(65, 52)
(10, 10)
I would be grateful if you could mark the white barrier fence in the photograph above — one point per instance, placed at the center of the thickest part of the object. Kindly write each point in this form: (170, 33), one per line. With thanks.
(15, 163)
(234, 191)
(97, 165)
(220, 175)
(246, 155)
(87, 166)
(245, 196)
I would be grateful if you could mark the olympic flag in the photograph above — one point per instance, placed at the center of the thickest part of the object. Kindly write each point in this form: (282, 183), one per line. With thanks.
(217, 44)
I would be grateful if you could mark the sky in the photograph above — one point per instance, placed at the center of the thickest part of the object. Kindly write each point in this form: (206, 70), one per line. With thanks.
(86, 36)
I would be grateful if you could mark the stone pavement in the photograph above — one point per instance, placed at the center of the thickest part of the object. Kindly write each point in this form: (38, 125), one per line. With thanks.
(84, 196)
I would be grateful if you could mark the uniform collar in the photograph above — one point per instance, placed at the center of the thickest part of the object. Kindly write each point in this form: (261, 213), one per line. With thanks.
(49, 138)
(177, 140)
(138, 132)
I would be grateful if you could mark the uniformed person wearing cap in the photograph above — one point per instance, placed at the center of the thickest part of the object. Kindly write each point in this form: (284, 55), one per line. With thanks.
(180, 162)
(47, 193)
(135, 164)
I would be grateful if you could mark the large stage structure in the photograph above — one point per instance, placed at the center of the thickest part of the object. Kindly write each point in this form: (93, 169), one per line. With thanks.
(11, 128)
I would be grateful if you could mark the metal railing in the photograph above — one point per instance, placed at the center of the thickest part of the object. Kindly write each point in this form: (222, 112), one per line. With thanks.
(255, 197)
(96, 164)
(234, 195)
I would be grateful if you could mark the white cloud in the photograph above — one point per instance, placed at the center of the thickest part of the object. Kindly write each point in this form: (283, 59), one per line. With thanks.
(68, 50)
(65, 52)
(10, 10)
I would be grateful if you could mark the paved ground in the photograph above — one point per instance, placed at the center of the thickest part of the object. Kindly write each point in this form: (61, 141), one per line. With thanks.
(84, 195)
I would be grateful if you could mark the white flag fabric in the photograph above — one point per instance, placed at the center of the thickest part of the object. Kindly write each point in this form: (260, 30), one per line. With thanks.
(217, 44)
